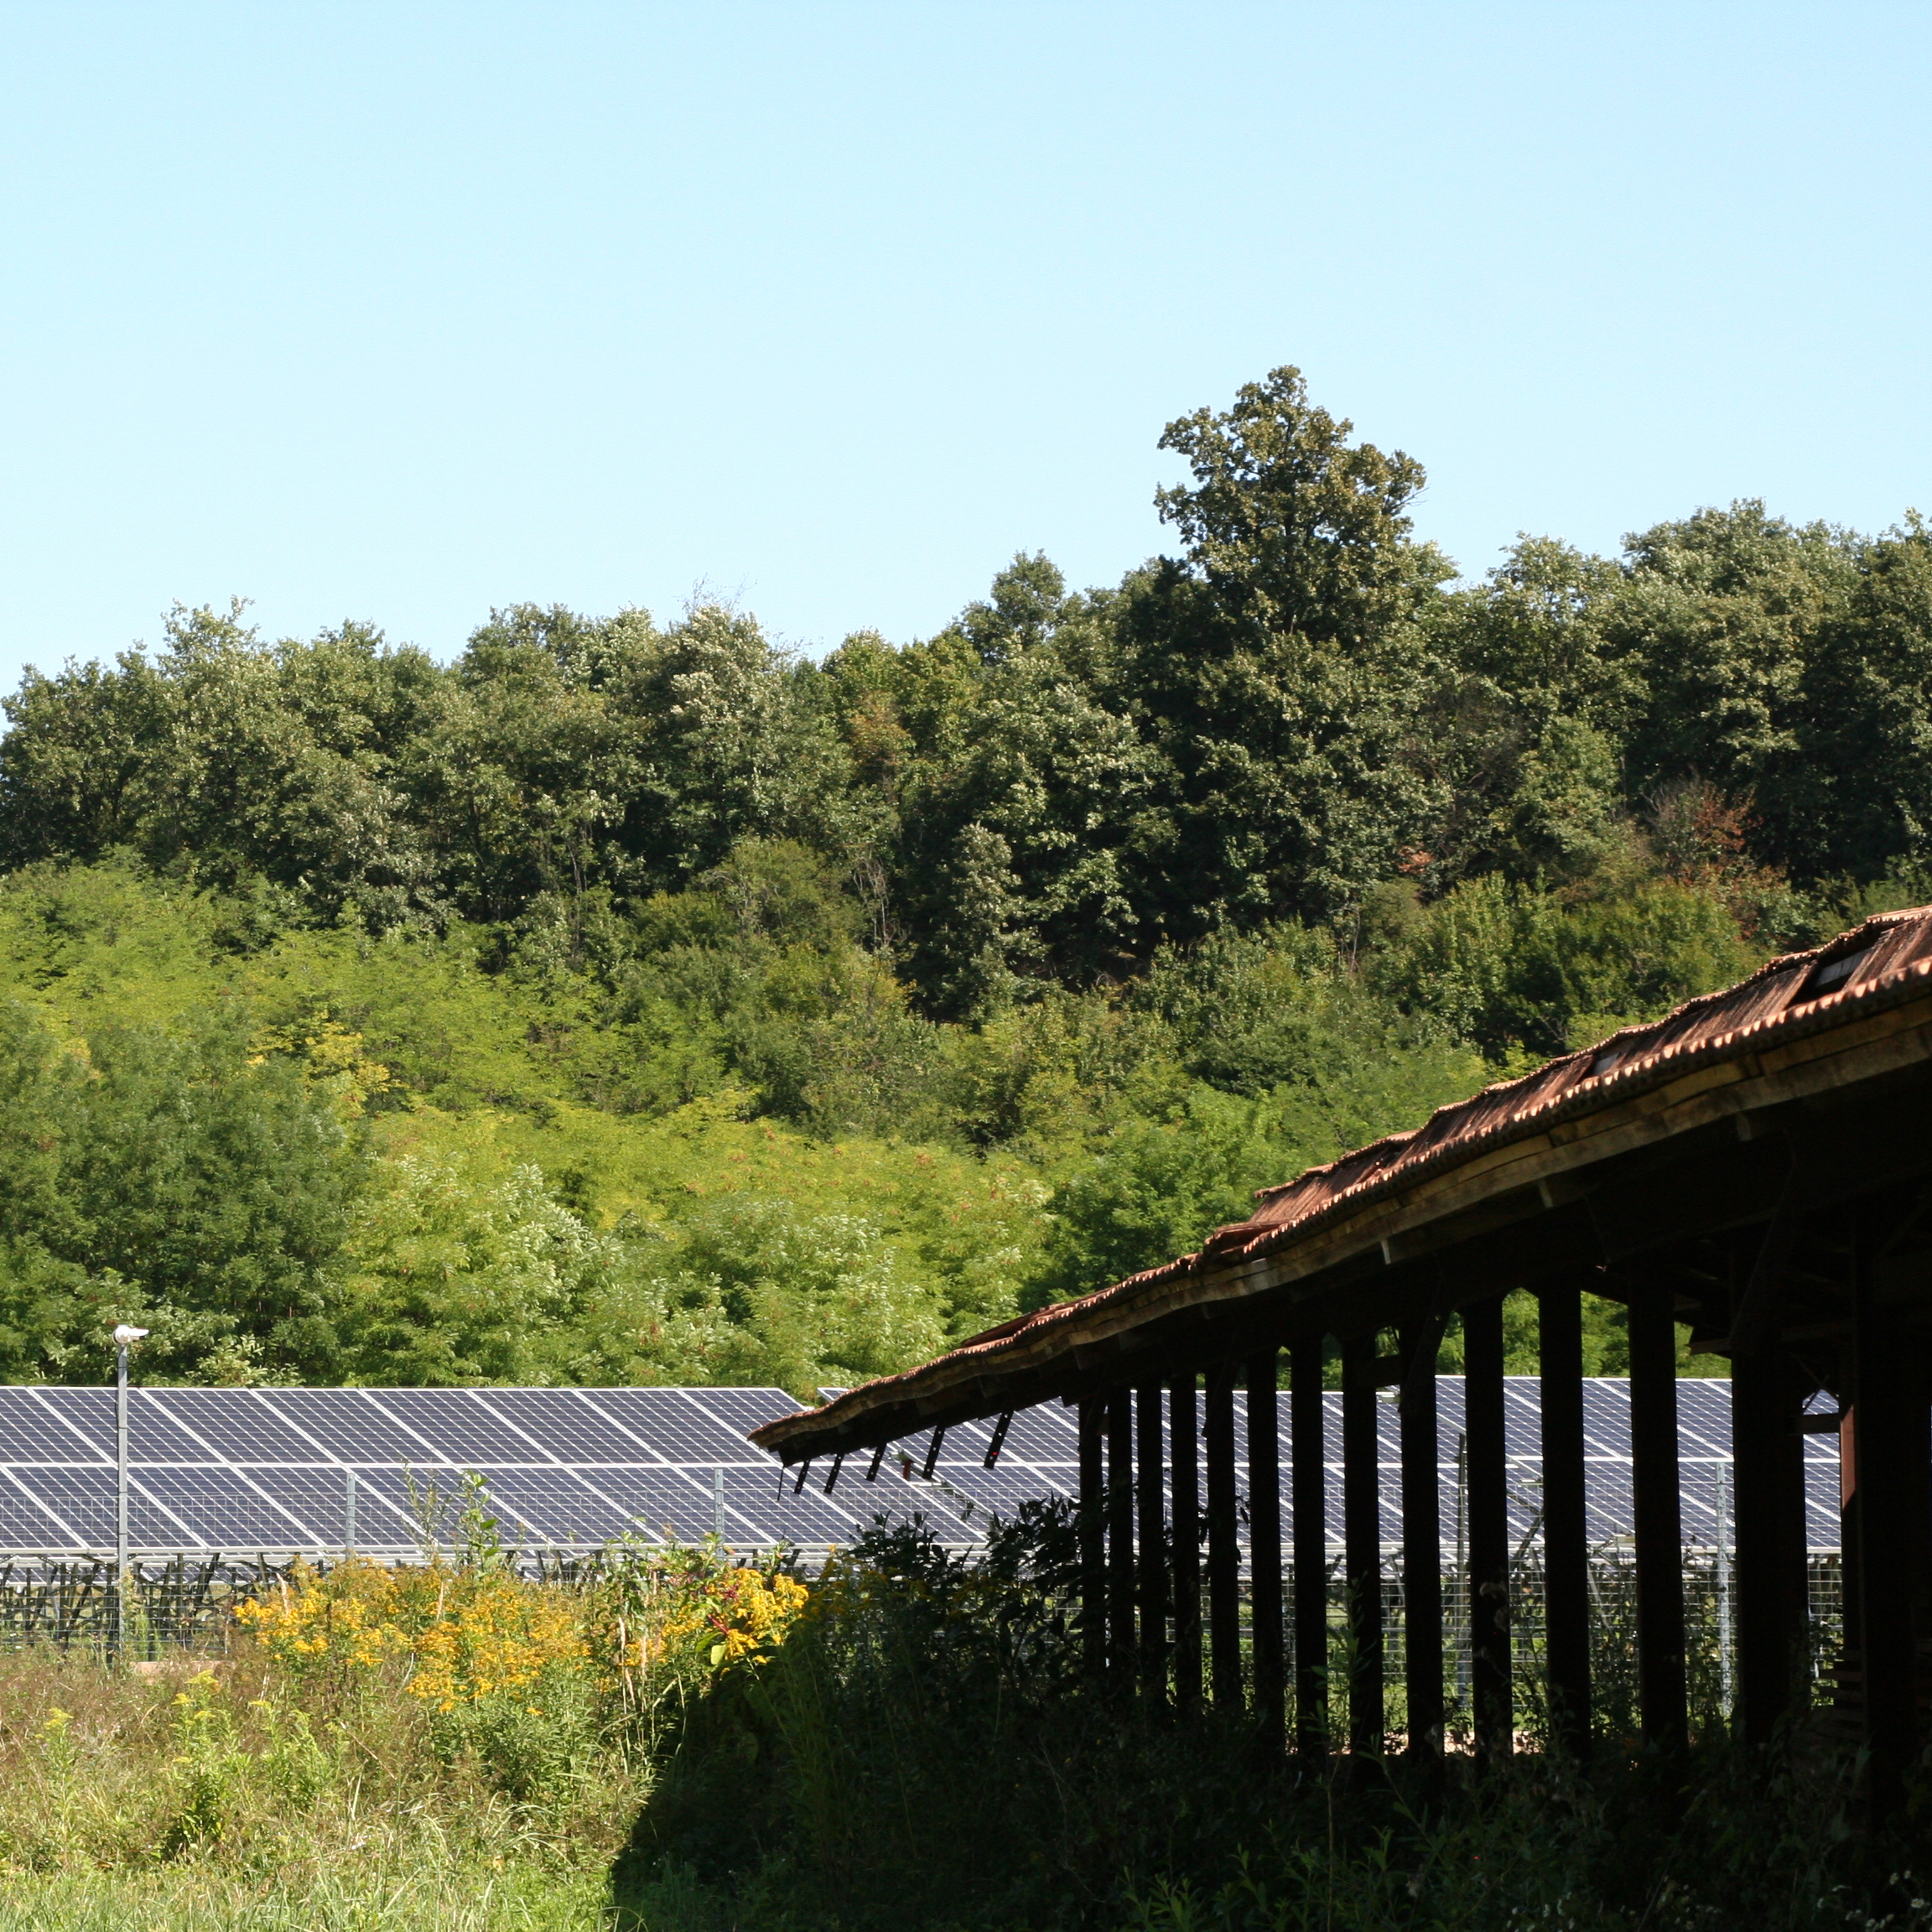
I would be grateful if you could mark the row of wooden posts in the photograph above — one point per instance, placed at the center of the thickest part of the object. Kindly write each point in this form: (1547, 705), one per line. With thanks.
(1141, 1563)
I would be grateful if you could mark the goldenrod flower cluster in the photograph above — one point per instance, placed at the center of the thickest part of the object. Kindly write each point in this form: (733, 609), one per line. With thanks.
(462, 1633)
(741, 1612)
(459, 1633)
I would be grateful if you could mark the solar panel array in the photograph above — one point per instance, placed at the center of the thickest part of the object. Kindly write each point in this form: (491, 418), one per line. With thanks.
(268, 1470)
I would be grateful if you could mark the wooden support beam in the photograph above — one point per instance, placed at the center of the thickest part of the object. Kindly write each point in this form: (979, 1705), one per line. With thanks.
(1264, 1547)
(1150, 1514)
(1422, 1542)
(1566, 1531)
(1763, 1437)
(1223, 1549)
(1361, 1542)
(1311, 1534)
(1121, 1636)
(1487, 1581)
(1660, 1531)
(1889, 1438)
(1093, 1533)
(1184, 1452)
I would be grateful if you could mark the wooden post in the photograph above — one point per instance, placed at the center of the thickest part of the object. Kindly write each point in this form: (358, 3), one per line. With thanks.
(1092, 1527)
(1565, 1530)
(1890, 1502)
(1151, 1516)
(1761, 1418)
(1488, 1583)
(1224, 1549)
(1120, 1537)
(1265, 1546)
(1361, 1542)
(1422, 1544)
(1659, 1532)
(1184, 1451)
(1311, 1534)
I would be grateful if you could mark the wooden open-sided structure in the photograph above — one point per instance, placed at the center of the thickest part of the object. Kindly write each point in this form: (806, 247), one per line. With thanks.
(1758, 1166)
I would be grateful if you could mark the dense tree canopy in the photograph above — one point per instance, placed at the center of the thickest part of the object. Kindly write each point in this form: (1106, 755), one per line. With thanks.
(641, 999)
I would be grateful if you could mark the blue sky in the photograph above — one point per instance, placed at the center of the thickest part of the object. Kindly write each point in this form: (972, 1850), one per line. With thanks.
(398, 313)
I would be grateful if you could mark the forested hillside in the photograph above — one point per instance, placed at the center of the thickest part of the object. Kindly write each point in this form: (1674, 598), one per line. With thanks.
(630, 1000)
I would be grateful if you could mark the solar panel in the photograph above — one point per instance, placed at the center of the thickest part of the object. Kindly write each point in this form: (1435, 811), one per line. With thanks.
(458, 1425)
(347, 1424)
(152, 1435)
(83, 1501)
(26, 1524)
(563, 1423)
(237, 1422)
(30, 1432)
(318, 1499)
(673, 1421)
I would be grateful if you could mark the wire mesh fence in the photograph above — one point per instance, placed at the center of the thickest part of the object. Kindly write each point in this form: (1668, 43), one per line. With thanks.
(1711, 1661)
(184, 1602)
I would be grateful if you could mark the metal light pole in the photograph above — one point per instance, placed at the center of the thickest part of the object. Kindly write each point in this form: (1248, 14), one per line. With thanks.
(124, 1338)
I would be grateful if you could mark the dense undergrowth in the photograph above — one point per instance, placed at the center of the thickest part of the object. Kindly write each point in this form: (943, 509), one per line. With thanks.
(923, 1753)
(445, 1745)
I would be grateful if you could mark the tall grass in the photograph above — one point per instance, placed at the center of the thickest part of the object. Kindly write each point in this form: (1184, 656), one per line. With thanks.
(451, 1746)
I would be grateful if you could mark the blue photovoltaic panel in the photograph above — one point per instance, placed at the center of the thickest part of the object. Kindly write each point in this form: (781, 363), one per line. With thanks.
(563, 1423)
(25, 1524)
(152, 1435)
(84, 1499)
(32, 1432)
(551, 1506)
(222, 1509)
(348, 1425)
(668, 1505)
(457, 1426)
(744, 1409)
(318, 1499)
(674, 1424)
(238, 1423)
(263, 1469)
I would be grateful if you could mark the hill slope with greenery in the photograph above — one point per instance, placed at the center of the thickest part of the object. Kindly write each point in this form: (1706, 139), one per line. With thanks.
(637, 1002)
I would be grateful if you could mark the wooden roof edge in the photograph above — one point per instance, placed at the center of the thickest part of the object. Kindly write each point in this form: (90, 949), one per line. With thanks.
(1058, 1321)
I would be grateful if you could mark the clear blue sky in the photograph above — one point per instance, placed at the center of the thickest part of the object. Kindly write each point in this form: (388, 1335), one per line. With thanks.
(402, 312)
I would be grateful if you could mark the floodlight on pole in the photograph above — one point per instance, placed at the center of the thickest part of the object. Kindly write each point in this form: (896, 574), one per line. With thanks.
(125, 1336)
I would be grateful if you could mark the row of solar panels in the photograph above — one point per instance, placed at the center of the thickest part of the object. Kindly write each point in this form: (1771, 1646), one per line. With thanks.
(268, 1470)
